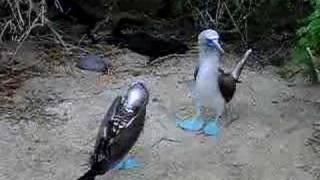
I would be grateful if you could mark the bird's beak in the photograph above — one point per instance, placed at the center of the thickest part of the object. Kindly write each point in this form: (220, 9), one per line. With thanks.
(215, 43)
(218, 46)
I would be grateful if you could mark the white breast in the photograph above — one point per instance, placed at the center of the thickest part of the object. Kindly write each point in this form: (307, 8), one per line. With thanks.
(207, 87)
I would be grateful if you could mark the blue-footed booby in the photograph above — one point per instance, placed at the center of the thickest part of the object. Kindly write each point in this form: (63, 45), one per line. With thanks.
(119, 130)
(213, 87)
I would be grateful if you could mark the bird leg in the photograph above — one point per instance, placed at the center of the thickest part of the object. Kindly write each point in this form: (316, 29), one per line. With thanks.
(195, 123)
(231, 116)
(212, 128)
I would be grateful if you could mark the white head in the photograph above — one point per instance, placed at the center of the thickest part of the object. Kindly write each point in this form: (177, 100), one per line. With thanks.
(209, 39)
(137, 96)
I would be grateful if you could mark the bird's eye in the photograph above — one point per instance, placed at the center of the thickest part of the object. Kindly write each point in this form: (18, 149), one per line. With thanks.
(210, 42)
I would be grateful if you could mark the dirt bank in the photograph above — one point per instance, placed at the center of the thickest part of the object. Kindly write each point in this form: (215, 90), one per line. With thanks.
(50, 131)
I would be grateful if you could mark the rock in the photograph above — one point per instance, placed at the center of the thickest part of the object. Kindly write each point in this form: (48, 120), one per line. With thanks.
(149, 45)
(95, 9)
(93, 63)
(144, 6)
(80, 11)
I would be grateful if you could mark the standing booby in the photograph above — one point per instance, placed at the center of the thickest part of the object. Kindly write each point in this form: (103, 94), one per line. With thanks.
(214, 88)
(119, 130)
(227, 80)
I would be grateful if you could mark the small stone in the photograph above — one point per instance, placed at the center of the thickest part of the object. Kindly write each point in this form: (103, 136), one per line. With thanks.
(291, 84)
(93, 63)
(228, 150)
(155, 100)
(236, 164)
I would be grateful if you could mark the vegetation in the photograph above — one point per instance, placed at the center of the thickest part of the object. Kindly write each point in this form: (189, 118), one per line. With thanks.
(246, 20)
(308, 45)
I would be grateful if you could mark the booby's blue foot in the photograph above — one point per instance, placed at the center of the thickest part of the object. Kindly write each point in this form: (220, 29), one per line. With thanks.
(192, 124)
(212, 128)
(128, 163)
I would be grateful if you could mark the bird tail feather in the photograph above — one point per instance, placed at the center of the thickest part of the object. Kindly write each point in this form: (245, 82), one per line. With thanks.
(236, 72)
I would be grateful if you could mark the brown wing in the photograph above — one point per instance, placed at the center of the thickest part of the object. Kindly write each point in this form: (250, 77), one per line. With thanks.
(126, 139)
(101, 140)
(112, 147)
(227, 86)
(226, 82)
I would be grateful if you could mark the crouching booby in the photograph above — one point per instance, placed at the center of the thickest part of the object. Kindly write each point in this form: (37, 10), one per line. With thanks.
(214, 88)
(119, 131)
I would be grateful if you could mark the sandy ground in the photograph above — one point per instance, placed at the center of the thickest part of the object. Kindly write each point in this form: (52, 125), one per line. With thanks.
(57, 118)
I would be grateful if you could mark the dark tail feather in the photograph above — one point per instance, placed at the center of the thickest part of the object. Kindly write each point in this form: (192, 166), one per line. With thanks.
(237, 70)
(90, 175)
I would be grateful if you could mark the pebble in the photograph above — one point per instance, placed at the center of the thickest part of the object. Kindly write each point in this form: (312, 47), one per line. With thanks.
(93, 63)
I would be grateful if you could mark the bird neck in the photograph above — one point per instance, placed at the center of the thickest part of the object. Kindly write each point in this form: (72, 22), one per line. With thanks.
(210, 58)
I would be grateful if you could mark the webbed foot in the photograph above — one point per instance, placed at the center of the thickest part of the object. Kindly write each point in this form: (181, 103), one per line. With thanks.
(212, 128)
(128, 163)
(192, 124)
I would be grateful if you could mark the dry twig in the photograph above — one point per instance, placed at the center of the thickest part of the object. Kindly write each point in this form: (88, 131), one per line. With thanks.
(8, 23)
(234, 23)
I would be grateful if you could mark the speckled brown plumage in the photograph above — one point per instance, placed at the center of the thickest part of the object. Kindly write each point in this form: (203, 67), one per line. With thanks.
(118, 132)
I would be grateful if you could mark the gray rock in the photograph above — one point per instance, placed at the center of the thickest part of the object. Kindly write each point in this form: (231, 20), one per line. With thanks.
(93, 63)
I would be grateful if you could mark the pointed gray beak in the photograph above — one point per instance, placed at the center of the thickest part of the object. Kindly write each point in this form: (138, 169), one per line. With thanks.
(215, 43)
